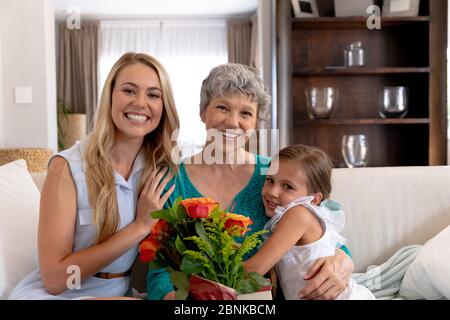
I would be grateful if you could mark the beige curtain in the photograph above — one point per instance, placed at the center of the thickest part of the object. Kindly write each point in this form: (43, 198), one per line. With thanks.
(78, 59)
(254, 49)
(242, 41)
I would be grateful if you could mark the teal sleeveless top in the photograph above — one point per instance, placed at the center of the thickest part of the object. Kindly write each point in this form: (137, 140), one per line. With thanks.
(247, 202)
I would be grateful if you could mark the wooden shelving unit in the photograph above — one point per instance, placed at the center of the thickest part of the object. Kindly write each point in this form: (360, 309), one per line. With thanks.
(406, 51)
(344, 122)
(352, 22)
(341, 71)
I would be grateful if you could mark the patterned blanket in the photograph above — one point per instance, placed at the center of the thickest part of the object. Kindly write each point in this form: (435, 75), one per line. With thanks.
(384, 280)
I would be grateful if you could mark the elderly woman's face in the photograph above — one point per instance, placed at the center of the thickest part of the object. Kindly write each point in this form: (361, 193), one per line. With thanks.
(137, 103)
(231, 115)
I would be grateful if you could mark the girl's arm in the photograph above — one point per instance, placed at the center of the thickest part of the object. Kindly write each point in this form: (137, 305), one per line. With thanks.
(57, 221)
(291, 228)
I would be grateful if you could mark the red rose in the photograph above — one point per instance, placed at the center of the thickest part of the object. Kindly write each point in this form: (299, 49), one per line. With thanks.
(148, 248)
(160, 227)
(147, 255)
(239, 221)
(199, 207)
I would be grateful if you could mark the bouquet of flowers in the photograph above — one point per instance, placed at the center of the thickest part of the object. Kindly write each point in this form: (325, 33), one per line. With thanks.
(196, 241)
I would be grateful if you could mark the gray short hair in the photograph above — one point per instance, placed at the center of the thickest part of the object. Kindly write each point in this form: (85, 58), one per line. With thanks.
(235, 79)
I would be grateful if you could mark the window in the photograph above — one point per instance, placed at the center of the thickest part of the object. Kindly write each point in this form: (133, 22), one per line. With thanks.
(187, 49)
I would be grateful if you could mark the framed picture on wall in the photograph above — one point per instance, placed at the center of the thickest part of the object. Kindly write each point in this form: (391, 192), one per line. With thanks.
(401, 8)
(305, 8)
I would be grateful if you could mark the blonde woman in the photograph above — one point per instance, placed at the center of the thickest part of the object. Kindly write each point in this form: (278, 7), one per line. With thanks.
(97, 195)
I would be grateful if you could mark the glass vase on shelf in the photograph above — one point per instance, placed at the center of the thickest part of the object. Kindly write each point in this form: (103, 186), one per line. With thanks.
(354, 150)
(321, 102)
(394, 102)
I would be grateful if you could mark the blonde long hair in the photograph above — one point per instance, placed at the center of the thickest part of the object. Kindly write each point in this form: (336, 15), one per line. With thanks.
(157, 146)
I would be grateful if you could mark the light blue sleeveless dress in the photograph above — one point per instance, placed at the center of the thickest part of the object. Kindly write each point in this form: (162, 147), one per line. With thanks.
(32, 287)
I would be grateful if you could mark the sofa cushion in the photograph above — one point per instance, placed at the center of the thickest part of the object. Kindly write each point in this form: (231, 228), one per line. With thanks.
(390, 208)
(19, 214)
(428, 277)
(38, 178)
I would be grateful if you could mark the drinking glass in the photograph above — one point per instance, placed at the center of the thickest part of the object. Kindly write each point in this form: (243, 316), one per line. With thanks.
(394, 102)
(321, 102)
(354, 150)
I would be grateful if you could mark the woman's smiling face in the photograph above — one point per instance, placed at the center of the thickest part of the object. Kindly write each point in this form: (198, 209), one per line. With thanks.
(231, 116)
(137, 102)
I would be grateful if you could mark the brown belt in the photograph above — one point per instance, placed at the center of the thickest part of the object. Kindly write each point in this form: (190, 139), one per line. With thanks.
(107, 275)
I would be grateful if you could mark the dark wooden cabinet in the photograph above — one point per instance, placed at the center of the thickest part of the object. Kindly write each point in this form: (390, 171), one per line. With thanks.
(406, 51)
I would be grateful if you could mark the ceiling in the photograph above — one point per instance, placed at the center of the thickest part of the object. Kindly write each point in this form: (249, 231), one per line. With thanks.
(103, 9)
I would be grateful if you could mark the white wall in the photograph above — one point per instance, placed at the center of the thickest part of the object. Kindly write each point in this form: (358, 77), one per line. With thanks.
(267, 52)
(28, 59)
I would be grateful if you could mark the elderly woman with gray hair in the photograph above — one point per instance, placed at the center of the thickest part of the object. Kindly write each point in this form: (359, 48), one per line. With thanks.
(233, 99)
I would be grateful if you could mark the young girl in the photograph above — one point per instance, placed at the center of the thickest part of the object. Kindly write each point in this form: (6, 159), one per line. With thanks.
(297, 185)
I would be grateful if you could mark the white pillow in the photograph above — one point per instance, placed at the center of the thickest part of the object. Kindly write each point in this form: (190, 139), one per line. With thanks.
(428, 276)
(19, 215)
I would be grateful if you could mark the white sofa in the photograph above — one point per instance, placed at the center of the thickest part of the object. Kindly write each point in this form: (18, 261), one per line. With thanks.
(386, 209)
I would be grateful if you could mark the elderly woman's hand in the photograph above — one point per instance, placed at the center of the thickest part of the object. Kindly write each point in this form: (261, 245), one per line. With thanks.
(328, 277)
(170, 296)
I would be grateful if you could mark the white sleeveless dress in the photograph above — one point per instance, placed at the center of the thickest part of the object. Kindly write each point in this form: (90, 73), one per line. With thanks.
(294, 265)
(32, 287)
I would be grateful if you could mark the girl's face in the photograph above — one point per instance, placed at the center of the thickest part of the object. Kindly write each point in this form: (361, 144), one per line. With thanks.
(231, 116)
(284, 185)
(137, 103)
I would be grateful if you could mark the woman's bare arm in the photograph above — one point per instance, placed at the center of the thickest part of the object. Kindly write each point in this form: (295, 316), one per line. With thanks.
(58, 209)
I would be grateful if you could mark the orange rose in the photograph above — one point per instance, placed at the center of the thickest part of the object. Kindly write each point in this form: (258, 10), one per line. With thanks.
(199, 207)
(159, 227)
(237, 220)
(148, 248)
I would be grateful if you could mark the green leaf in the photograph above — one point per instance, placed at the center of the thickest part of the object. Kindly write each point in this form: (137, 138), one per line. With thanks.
(258, 279)
(181, 294)
(180, 280)
(180, 245)
(201, 230)
(180, 213)
(238, 268)
(161, 214)
(177, 202)
(251, 282)
(190, 265)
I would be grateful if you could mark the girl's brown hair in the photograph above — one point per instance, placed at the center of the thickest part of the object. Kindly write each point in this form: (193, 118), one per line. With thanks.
(315, 163)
